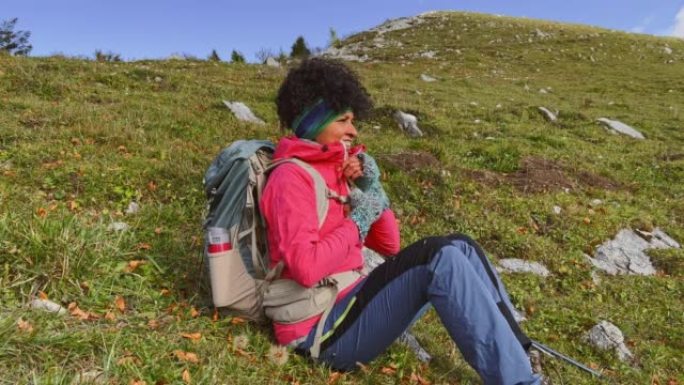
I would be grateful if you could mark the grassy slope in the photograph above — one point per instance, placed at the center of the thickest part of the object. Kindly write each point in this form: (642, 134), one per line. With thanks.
(79, 140)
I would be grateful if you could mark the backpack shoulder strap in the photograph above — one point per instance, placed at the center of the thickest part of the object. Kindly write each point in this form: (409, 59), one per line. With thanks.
(323, 193)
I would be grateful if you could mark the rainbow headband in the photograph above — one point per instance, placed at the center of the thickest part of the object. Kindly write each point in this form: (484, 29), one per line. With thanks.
(310, 123)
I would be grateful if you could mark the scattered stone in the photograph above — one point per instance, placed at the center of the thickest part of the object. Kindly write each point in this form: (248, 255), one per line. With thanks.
(606, 336)
(408, 123)
(118, 226)
(272, 62)
(595, 203)
(621, 128)
(157, 79)
(541, 34)
(132, 208)
(427, 78)
(543, 91)
(92, 377)
(557, 210)
(527, 87)
(550, 116)
(47, 305)
(625, 253)
(515, 265)
(428, 54)
(398, 24)
(667, 50)
(242, 112)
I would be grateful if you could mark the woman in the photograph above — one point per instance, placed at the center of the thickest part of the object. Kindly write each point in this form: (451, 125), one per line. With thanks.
(319, 101)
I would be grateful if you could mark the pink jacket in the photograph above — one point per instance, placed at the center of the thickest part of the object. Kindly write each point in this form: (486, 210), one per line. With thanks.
(288, 205)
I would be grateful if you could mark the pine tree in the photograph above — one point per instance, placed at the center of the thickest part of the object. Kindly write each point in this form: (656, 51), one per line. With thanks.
(299, 49)
(236, 57)
(14, 43)
(214, 56)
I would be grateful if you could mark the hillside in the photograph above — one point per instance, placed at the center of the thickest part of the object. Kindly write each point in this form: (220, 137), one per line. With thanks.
(81, 140)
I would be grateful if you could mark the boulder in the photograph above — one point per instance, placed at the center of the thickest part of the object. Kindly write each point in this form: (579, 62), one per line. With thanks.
(625, 253)
(515, 265)
(272, 62)
(606, 336)
(408, 123)
(242, 112)
(621, 128)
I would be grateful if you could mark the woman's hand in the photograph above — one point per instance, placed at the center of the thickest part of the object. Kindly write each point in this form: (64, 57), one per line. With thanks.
(352, 168)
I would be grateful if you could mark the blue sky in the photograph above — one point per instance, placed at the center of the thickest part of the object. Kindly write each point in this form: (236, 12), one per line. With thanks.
(158, 28)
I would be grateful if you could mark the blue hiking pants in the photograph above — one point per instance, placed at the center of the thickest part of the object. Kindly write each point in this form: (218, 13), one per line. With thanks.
(451, 273)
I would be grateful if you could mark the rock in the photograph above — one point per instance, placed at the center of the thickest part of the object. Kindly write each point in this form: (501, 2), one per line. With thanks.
(621, 128)
(557, 210)
(132, 208)
(427, 78)
(625, 253)
(47, 305)
(157, 79)
(398, 24)
(595, 203)
(272, 62)
(242, 112)
(428, 54)
(408, 123)
(543, 91)
(541, 34)
(667, 50)
(527, 88)
(550, 116)
(118, 226)
(91, 377)
(606, 336)
(515, 265)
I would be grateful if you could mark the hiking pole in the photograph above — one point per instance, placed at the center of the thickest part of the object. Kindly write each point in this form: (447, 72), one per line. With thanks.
(551, 352)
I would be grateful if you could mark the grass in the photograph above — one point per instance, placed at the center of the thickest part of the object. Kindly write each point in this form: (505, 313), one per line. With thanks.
(80, 140)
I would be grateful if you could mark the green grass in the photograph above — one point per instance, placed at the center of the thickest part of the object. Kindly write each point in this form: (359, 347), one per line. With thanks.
(79, 140)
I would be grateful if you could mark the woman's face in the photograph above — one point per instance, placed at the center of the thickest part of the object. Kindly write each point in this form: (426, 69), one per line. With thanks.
(341, 129)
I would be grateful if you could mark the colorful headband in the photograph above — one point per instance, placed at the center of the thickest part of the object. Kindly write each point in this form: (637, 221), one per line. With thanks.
(313, 120)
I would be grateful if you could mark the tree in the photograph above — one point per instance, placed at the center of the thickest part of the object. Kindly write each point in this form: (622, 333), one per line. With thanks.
(236, 57)
(299, 49)
(14, 43)
(335, 41)
(107, 56)
(263, 54)
(214, 56)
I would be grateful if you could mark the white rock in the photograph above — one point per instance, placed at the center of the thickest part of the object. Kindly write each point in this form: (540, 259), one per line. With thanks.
(427, 78)
(621, 128)
(550, 116)
(408, 123)
(667, 50)
(118, 226)
(398, 24)
(596, 202)
(557, 210)
(515, 265)
(527, 88)
(625, 253)
(541, 34)
(543, 91)
(477, 121)
(242, 112)
(428, 54)
(607, 336)
(272, 62)
(498, 106)
(47, 305)
(132, 208)
(157, 79)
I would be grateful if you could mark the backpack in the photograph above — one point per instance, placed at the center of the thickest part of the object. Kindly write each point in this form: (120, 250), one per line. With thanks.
(233, 184)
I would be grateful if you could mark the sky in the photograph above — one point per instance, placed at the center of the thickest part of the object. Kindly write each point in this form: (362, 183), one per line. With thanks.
(149, 29)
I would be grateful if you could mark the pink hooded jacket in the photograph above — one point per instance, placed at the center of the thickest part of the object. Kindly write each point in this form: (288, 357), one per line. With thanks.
(288, 205)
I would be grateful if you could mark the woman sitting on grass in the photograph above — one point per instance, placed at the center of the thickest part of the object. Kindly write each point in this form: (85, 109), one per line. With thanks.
(319, 101)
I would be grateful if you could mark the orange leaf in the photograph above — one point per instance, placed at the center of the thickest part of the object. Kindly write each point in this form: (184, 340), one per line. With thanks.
(132, 265)
(42, 295)
(152, 186)
(237, 321)
(41, 212)
(78, 313)
(215, 316)
(186, 356)
(72, 205)
(120, 303)
(24, 326)
(109, 316)
(194, 337)
(521, 230)
(164, 292)
(586, 220)
(153, 324)
(420, 380)
(334, 376)
(186, 376)
(143, 246)
(193, 312)
(158, 230)
(388, 370)
(137, 382)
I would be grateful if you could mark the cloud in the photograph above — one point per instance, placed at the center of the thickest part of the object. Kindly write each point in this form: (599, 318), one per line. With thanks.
(678, 28)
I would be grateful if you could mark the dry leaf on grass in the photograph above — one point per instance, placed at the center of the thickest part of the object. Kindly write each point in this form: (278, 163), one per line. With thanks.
(237, 321)
(41, 212)
(186, 376)
(132, 265)
(158, 230)
(109, 316)
(24, 326)
(120, 303)
(80, 314)
(333, 377)
(137, 382)
(194, 337)
(388, 370)
(193, 312)
(215, 316)
(418, 379)
(186, 356)
(164, 292)
(42, 295)
(143, 246)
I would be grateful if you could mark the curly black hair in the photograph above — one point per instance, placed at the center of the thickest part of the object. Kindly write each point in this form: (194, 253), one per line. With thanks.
(318, 78)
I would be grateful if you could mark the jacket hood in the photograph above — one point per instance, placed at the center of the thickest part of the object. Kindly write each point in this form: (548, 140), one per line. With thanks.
(313, 152)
